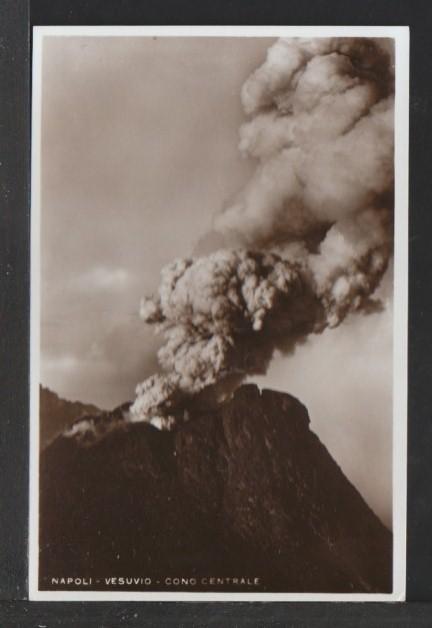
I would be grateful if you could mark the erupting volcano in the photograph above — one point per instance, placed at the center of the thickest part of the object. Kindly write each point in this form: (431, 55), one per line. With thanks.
(204, 476)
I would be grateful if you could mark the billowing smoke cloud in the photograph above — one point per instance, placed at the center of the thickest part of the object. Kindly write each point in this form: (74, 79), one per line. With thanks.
(307, 240)
(222, 317)
(322, 129)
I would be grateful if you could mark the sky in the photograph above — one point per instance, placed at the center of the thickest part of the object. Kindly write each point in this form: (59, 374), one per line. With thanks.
(139, 151)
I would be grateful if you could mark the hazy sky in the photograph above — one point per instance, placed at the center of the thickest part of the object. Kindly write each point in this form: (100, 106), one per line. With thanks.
(139, 150)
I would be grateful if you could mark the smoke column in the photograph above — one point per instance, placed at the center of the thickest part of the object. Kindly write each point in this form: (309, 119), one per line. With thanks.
(304, 243)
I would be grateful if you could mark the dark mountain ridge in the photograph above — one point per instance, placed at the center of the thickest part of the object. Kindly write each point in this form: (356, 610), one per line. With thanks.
(56, 414)
(245, 490)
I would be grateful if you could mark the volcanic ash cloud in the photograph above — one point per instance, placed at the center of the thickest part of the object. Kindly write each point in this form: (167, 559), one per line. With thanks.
(321, 128)
(307, 240)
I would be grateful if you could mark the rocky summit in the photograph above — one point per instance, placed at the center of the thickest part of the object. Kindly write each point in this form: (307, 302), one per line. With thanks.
(244, 494)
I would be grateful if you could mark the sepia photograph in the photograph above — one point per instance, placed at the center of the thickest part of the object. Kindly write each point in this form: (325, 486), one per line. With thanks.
(219, 313)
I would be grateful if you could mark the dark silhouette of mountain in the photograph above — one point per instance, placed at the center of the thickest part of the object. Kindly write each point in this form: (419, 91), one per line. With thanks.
(56, 414)
(245, 490)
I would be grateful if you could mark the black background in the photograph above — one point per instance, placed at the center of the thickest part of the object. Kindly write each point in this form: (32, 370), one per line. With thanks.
(16, 19)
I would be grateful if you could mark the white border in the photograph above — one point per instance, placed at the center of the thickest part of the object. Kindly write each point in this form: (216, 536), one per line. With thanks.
(401, 37)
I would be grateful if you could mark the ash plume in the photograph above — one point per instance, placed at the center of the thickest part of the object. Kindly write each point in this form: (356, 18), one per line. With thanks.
(306, 241)
(321, 128)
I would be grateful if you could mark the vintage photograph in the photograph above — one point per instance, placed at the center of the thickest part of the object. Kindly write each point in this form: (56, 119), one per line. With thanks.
(219, 269)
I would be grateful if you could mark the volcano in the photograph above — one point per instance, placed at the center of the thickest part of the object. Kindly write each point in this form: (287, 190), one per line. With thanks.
(244, 494)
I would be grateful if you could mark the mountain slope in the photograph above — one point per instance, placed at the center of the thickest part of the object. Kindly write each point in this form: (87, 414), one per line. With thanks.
(56, 414)
(245, 490)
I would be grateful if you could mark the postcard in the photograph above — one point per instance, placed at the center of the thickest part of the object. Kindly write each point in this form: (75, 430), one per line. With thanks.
(219, 267)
